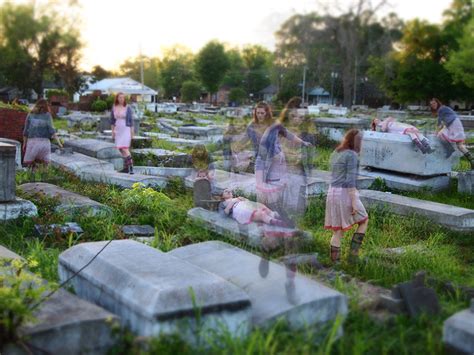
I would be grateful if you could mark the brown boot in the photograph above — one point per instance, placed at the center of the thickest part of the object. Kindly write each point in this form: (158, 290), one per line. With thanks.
(356, 242)
(335, 254)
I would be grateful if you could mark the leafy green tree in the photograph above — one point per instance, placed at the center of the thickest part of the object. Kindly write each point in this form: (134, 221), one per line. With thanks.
(190, 91)
(237, 95)
(461, 63)
(212, 64)
(236, 75)
(33, 43)
(175, 68)
(258, 61)
(100, 73)
(131, 68)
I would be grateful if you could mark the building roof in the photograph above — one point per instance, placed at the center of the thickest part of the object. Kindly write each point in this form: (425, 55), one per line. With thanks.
(318, 91)
(269, 90)
(125, 85)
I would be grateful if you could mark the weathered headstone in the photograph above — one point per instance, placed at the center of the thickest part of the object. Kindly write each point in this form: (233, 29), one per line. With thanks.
(154, 292)
(70, 203)
(452, 217)
(7, 172)
(458, 331)
(302, 302)
(466, 182)
(18, 149)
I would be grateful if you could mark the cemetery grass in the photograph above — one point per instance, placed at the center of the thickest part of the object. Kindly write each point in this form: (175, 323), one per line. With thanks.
(445, 255)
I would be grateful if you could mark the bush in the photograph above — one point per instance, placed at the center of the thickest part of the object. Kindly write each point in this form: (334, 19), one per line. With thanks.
(99, 105)
(110, 101)
(190, 91)
(237, 95)
(56, 92)
(16, 107)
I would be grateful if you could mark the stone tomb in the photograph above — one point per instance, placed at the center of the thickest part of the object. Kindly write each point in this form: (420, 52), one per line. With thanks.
(396, 152)
(97, 149)
(75, 162)
(458, 331)
(452, 217)
(335, 128)
(154, 292)
(210, 133)
(297, 299)
(70, 203)
(11, 207)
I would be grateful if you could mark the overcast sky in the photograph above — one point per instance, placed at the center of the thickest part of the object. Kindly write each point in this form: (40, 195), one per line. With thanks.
(114, 30)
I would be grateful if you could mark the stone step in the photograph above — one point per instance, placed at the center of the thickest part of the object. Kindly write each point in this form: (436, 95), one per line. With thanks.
(274, 295)
(396, 152)
(76, 162)
(70, 203)
(452, 217)
(154, 292)
(121, 179)
(97, 149)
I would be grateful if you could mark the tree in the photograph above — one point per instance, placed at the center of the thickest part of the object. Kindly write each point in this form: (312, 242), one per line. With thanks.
(175, 68)
(132, 68)
(258, 62)
(212, 64)
(190, 91)
(33, 43)
(100, 73)
(237, 95)
(461, 63)
(236, 74)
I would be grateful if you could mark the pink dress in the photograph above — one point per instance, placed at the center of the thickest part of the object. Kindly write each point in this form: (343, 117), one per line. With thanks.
(123, 134)
(454, 133)
(243, 211)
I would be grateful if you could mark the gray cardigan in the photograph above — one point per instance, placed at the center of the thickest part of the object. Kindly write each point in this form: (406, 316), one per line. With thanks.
(128, 117)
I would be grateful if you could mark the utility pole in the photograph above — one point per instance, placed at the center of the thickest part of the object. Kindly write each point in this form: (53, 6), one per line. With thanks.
(142, 77)
(355, 82)
(304, 84)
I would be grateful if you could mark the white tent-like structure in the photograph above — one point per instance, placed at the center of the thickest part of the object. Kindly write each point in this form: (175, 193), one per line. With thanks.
(126, 85)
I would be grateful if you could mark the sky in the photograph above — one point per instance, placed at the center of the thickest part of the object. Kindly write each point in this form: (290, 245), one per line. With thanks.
(114, 30)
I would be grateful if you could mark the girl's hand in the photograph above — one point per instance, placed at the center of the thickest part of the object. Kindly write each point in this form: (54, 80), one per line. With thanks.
(354, 209)
(113, 134)
(307, 144)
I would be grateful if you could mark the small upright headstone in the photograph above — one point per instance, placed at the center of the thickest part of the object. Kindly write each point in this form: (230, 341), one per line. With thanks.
(458, 331)
(7, 172)
(466, 182)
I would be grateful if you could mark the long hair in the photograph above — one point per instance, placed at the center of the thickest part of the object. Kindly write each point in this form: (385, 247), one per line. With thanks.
(41, 106)
(200, 157)
(351, 141)
(124, 99)
(268, 113)
(434, 112)
(291, 106)
(373, 124)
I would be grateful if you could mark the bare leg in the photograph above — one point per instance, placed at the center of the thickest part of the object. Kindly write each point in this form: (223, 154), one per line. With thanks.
(362, 228)
(462, 147)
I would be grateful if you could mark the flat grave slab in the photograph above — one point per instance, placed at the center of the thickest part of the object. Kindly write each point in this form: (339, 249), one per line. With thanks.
(452, 217)
(121, 179)
(458, 331)
(163, 157)
(154, 292)
(76, 162)
(70, 203)
(97, 149)
(299, 300)
(16, 209)
(164, 171)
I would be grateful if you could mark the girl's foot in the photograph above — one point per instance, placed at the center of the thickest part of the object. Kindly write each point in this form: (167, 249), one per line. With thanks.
(278, 223)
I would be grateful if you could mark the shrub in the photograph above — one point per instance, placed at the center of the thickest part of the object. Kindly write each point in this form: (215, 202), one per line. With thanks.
(16, 107)
(56, 92)
(237, 95)
(99, 106)
(110, 101)
(190, 91)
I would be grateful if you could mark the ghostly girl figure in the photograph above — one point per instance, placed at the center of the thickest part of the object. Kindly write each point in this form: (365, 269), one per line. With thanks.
(121, 119)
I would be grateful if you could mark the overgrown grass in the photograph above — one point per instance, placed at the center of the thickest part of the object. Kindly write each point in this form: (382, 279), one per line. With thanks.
(444, 254)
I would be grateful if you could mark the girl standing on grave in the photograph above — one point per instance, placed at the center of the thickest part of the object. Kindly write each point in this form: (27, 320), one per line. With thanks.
(450, 129)
(391, 125)
(121, 119)
(37, 134)
(262, 119)
(344, 208)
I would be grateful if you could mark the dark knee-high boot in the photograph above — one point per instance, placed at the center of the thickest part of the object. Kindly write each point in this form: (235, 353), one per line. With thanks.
(130, 164)
(469, 157)
(125, 165)
(356, 242)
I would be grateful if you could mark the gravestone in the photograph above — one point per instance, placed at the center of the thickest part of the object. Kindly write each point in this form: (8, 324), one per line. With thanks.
(396, 152)
(210, 133)
(17, 144)
(452, 217)
(97, 149)
(153, 292)
(458, 331)
(466, 182)
(467, 121)
(301, 301)
(202, 196)
(338, 111)
(163, 171)
(222, 180)
(138, 231)
(70, 203)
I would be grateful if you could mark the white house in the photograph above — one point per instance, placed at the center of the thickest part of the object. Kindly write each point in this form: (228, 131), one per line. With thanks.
(126, 85)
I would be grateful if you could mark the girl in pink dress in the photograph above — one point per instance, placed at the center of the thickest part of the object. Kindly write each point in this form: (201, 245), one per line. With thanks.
(121, 119)
(391, 125)
(245, 211)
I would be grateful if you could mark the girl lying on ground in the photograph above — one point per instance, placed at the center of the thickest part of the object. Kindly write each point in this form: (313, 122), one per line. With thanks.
(245, 211)
(391, 125)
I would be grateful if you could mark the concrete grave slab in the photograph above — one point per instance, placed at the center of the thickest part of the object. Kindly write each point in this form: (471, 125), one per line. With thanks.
(458, 331)
(226, 180)
(467, 121)
(402, 182)
(154, 292)
(97, 149)
(121, 179)
(396, 152)
(311, 303)
(163, 156)
(163, 171)
(70, 203)
(452, 217)
(6, 253)
(156, 135)
(138, 230)
(76, 162)
(335, 128)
